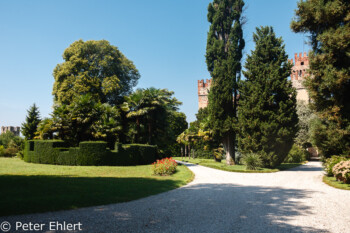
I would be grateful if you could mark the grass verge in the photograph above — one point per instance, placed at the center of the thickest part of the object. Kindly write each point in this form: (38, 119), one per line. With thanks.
(31, 188)
(331, 181)
(236, 168)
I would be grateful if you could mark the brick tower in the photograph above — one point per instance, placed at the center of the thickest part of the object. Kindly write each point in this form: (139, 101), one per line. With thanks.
(203, 90)
(299, 71)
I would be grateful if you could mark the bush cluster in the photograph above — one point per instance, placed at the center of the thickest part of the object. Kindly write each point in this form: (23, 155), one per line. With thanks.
(252, 161)
(10, 145)
(166, 166)
(88, 153)
(341, 171)
(331, 162)
(297, 155)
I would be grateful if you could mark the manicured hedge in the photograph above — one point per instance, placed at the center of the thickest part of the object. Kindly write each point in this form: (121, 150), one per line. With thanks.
(134, 154)
(88, 153)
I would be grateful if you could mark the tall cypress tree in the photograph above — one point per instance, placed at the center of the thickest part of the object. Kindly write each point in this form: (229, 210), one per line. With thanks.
(328, 24)
(267, 105)
(224, 53)
(30, 126)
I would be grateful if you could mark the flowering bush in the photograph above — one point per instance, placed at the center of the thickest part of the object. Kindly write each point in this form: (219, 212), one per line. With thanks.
(331, 162)
(166, 166)
(341, 171)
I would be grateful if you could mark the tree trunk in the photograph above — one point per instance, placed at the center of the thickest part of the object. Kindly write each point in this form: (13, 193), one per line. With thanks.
(229, 146)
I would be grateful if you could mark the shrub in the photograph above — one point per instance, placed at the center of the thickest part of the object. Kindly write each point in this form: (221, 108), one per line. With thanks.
(331, 162)
(341, 171)
(296, 155)
(252, 161)
(166, 166)
(10, 152)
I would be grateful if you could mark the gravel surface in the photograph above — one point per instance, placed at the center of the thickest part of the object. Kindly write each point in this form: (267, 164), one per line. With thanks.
(295, 200)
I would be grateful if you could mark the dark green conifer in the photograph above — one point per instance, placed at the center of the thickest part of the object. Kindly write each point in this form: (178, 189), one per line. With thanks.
(224, 53)
(267, 105)
(29, 127)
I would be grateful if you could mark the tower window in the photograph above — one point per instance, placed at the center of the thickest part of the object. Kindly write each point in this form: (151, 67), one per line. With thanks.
(302, 63)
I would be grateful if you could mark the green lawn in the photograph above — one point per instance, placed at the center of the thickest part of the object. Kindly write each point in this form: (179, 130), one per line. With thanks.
(29, 188)
(334, 183)
(235, 168)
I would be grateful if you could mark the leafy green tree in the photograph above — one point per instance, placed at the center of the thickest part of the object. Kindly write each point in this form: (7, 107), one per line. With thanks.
(267, 105)
(6, 138)
(328, 23)
(96, 68)
(30, 126)
(305, 116)
(325, 135)
(86, 120)
(223, 57)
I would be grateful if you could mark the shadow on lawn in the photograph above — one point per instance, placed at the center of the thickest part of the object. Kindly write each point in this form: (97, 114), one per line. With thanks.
(31, 194)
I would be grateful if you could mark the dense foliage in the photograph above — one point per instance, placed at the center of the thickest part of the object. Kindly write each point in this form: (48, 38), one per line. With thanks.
(267, 103)
(154, 119)
(93, 101)
(297, 155)
(331, 162)
(223, 57)
(328, 23)
(30, 126)
(96, 68)
(11, 145)
(85, 119)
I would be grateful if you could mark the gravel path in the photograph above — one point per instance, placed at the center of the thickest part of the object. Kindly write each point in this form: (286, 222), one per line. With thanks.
(295, 200)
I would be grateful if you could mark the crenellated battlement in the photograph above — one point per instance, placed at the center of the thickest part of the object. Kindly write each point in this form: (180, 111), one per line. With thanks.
(300, 66)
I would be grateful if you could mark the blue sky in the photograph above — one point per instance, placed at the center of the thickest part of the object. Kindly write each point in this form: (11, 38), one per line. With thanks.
(165, 39)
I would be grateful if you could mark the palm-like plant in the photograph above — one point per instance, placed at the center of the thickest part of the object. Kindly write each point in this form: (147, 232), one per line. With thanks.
(44, 130)
(150, 106)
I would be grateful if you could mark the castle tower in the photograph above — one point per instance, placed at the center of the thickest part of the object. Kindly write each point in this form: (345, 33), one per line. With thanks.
(203, 91)
(298, 74)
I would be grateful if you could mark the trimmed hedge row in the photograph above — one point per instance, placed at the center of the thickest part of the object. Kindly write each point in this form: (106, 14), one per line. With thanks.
(90, 153)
